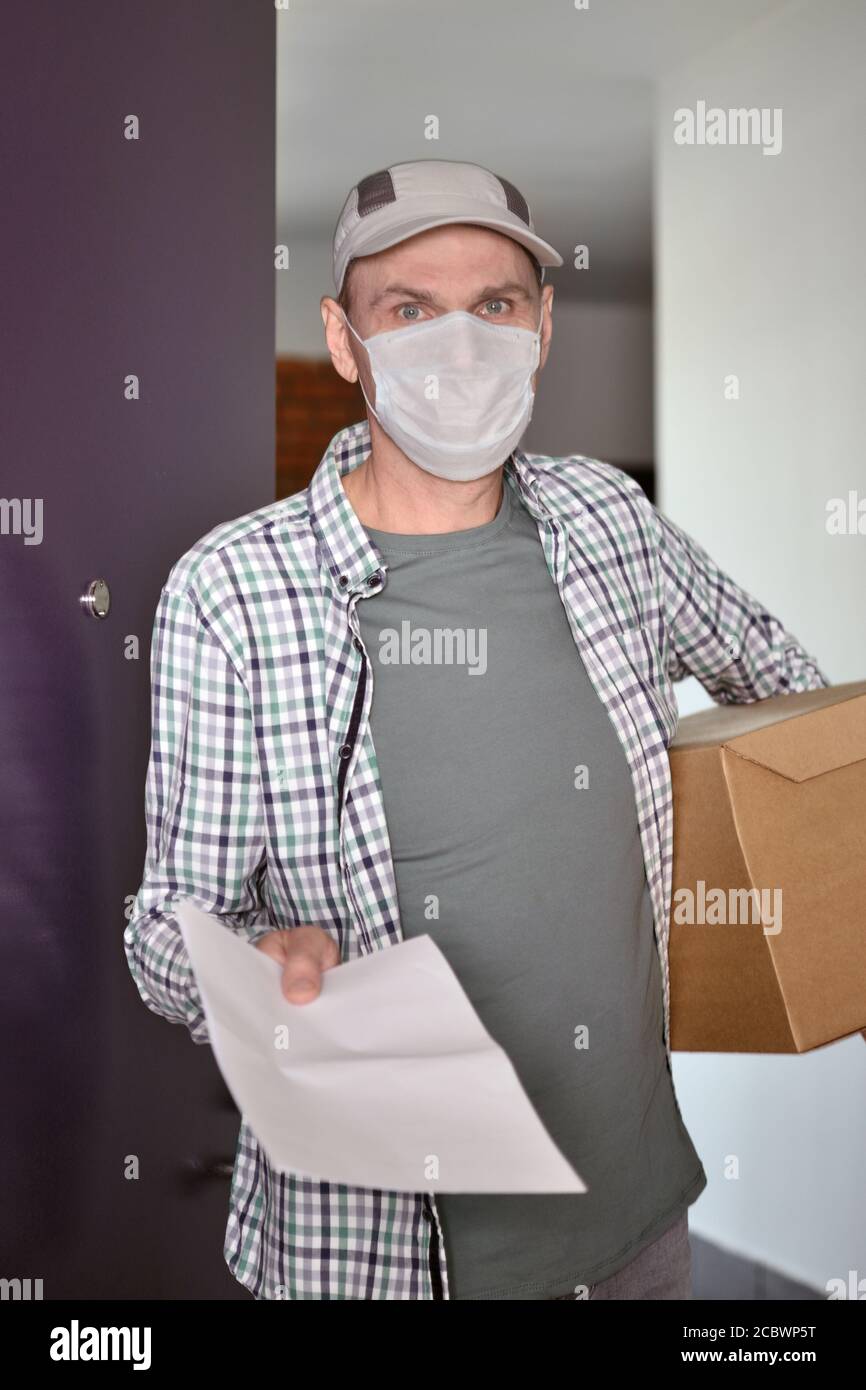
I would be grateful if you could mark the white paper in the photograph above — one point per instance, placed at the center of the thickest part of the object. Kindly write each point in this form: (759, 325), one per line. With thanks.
(389, 1079)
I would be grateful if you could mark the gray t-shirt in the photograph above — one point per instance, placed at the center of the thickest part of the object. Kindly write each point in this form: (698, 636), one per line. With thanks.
(529, 875)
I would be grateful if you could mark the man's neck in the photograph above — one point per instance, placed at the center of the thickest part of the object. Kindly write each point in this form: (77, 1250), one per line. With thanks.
(390, 493)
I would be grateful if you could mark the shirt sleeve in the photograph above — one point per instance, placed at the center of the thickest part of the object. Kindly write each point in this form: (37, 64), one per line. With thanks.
(203, 811)
(720, 633)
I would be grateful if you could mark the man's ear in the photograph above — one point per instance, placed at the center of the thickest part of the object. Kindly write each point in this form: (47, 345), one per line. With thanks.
(546, 329)
(338, 339)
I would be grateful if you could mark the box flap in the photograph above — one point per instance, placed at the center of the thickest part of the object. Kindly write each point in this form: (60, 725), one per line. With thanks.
(773, 733)
(803, 843)
(725, 992)
(809, 745)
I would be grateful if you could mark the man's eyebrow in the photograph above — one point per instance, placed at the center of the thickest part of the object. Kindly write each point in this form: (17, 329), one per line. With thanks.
(404, 292)
(510, 287)
(419, 296)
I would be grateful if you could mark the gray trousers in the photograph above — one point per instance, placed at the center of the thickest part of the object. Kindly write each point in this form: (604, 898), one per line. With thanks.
(663, 1269)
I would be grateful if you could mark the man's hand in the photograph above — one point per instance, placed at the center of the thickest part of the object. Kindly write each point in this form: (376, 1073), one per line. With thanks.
(304, 953)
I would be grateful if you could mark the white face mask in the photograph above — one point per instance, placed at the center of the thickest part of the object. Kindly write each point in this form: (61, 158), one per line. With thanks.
(454, 393)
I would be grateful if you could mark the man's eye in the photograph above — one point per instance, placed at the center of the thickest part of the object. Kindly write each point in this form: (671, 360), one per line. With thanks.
(498, 307)
(411, 314)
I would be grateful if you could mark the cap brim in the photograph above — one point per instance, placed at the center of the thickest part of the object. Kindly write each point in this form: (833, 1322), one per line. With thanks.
(541, 250)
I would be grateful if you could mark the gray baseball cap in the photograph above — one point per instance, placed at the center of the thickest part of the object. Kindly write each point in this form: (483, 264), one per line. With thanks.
(398, 202)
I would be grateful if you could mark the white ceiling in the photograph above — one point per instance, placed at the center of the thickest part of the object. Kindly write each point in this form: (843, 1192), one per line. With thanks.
(557, 100)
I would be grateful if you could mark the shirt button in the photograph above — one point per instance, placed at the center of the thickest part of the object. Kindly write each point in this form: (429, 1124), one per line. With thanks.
(345, 750)
(373, 579)
(343, 580)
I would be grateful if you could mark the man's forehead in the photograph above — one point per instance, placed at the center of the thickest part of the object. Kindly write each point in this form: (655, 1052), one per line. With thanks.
(437, 256)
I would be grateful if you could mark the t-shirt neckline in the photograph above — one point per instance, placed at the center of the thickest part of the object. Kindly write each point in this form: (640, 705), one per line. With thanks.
(393, 542)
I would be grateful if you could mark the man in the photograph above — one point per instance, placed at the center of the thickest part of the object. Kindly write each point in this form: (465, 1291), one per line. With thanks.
(433, 693)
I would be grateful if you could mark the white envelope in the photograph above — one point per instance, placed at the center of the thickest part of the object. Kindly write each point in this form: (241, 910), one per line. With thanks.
(389, 1079)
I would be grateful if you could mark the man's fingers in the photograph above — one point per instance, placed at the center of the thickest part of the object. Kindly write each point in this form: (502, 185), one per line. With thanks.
(308, 952)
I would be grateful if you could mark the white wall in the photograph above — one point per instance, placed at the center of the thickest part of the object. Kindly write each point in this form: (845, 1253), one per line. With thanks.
(759, 272)
(299, 331)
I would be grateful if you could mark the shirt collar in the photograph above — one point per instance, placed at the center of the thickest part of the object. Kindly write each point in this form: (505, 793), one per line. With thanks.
(354, 562)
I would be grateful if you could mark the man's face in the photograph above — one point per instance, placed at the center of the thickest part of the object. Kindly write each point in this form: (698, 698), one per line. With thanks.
(455, 267)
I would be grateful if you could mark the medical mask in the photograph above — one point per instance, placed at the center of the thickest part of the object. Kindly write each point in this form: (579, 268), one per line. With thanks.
(455, 392)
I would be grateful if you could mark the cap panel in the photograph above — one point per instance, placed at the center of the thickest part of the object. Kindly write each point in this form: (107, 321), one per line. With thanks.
(393, 204)
(375, 191)
(447, 178)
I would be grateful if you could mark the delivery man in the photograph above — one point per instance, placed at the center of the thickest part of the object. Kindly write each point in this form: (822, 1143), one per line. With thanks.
(433, 692)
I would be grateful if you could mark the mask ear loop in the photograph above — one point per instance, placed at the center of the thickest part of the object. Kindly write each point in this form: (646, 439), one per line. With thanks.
(541, 286)
(349, 326)
(360, 382)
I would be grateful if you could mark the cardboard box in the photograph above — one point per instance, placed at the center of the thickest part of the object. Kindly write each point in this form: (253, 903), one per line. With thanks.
(770, 824)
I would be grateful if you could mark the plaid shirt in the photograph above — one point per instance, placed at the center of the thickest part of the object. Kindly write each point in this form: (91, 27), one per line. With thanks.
(264, 805)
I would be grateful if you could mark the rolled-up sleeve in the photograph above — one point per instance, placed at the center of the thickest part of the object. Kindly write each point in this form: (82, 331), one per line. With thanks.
(203, 810)
(720, 633)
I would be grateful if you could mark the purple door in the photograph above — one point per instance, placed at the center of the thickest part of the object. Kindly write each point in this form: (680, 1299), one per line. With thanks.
(136, 411)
